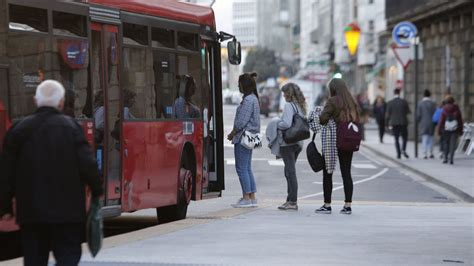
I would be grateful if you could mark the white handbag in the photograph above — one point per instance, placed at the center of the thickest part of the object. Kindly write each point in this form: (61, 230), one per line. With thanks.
(251, 140)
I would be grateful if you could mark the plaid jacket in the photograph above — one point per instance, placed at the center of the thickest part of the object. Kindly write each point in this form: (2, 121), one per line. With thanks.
(328, 137)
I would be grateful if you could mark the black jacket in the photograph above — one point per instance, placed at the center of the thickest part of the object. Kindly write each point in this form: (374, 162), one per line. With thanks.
(397, 112)
(45, 164)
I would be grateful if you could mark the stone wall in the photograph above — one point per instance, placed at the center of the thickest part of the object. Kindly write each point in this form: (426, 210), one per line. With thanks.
(448, 62)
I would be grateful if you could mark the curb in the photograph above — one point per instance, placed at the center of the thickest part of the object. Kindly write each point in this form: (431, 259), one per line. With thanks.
(463, 195)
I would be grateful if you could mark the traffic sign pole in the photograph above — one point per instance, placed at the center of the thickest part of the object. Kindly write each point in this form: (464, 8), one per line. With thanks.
(405, 34)
(416, 96)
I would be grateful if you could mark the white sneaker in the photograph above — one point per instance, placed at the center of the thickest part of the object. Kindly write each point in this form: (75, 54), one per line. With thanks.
(242, 203)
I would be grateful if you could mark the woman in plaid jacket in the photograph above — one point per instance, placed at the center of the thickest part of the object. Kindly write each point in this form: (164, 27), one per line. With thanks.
(340, 107)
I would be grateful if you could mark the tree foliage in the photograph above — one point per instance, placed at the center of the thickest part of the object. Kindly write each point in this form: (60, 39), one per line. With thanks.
(263, 61)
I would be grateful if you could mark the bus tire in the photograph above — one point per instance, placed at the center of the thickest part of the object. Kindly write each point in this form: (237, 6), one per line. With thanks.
(185, 190)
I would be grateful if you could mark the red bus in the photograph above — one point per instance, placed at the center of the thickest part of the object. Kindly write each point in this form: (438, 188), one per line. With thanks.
(144, 79)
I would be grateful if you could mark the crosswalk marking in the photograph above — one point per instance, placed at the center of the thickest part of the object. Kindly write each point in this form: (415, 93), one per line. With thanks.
(276, 163)
(231, 161)
(364, 166)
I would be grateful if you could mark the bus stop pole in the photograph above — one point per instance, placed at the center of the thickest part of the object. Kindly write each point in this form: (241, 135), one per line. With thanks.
(416, 96)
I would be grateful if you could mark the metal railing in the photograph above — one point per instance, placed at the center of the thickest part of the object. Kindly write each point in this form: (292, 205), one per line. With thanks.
(466, 143)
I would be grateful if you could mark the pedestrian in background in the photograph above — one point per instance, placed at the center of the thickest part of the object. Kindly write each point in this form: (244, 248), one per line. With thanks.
(46, 164)
(424, 115)
(247, 117)
(378, 111)
(295, 104)
(364, 107)
(450, 125)
(397, 112)
(436, 117)
(341, 107)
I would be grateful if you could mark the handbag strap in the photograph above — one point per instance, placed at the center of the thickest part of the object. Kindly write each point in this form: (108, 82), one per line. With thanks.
(314, 136)
(295, 108)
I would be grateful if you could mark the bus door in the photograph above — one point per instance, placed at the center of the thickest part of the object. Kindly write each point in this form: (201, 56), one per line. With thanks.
(107, 112)
(4, 119)
(213, 132)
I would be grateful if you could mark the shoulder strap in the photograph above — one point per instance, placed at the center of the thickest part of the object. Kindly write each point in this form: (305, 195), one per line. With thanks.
(294, 107)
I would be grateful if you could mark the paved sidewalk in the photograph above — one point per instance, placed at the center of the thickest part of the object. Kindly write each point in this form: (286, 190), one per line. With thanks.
(458, 178)
(375, 234)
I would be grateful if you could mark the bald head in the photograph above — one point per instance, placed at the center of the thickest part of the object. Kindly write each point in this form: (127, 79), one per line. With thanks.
(50, 93)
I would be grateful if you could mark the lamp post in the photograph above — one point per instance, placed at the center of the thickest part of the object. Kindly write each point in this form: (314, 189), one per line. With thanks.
(352, 35)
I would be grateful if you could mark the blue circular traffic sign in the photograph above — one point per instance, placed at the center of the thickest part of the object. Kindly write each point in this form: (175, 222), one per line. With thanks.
(403, 33)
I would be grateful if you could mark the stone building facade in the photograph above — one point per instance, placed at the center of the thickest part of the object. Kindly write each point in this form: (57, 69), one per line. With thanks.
(446, 30)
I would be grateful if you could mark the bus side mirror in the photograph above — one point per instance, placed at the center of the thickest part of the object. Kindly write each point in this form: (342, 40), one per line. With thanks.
(234, 52)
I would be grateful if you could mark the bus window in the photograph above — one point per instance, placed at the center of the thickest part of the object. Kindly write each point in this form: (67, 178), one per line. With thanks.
(70, 67)
(69, 24)
(29, 64)
(28, 18)
(188, 41)
(135, 34)
(162, 38)
(138, 94)
(184, 107)
(190, 66)
(164, 71)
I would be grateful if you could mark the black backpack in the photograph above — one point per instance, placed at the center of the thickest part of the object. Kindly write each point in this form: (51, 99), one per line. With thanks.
(315, 159)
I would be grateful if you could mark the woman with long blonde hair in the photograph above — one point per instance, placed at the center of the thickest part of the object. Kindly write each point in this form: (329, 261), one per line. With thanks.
(295, 104)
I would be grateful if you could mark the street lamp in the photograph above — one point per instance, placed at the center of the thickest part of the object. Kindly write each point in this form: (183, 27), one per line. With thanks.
(352, 35)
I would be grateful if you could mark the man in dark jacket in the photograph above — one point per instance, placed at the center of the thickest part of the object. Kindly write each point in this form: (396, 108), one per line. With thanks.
(46, 164)
(397, 112)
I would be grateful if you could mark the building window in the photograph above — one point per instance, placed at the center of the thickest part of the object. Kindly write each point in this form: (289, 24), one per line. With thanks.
(284, 5)
(69, 24)
(135, 34)
(28, 18)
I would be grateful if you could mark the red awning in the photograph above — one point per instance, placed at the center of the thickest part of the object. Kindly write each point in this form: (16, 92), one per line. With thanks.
(170, 9)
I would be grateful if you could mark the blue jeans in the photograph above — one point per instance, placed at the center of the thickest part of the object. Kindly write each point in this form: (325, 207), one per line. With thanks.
(243, 166)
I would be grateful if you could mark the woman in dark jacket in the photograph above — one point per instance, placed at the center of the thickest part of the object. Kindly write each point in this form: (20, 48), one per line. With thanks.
(379, 113)
(450, 125)
(341, 107)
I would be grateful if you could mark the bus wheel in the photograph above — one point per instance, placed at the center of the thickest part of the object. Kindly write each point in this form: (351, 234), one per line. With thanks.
(178, 211)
